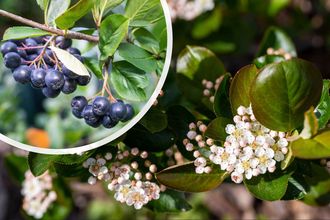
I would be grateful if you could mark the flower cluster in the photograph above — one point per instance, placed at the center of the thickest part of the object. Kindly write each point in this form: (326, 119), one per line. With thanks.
(189, 9)
(38, 194)
(211, 87)
(125, 176)
(195, 143)
(250, 149)
(279, 52)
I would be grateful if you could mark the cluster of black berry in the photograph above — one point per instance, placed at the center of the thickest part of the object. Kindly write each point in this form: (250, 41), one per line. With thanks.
(32, 63)
(101, 111)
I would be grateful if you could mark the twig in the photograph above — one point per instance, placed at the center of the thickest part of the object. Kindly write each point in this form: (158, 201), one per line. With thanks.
(67, 34)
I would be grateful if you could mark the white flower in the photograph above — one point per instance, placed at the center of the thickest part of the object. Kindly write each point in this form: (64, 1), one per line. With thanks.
(137, 197)
(236, 177)
(122, 192)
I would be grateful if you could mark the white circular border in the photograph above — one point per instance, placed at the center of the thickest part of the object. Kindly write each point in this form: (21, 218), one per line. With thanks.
(136, 119)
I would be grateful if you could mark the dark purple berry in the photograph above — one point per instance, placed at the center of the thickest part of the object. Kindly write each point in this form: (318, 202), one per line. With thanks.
(48, 57)
(118, 111)
(70, 85)
(80, 58)
(108, 122)
(83, 80)
(129, 113)
(73, 50)
(22, 74)
(79, 103)
(12, 60)
(29, 42)
(89, 115)
(39, 40)
(22, 53)
(101, 106)
(77, 114)
(68, 73)
(32, 57)
(63, 43)
(8, 47)
(54, 79)
(38, 78)
(50, 93)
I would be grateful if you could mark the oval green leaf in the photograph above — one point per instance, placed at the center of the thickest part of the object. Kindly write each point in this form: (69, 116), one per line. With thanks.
(21, 32)
(239, 92)
(283, 92)
(216, 129)
(184, 178)
(221, 104)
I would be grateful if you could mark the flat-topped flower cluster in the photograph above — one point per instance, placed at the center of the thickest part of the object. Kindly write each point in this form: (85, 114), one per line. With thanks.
(250, 149)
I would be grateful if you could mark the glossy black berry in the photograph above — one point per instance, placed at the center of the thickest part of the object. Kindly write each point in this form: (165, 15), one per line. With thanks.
(118, 111)
(8, 47)
(101, 106)
(22, 74)
(39, 40)
(22, 53)
(38, 78)
(73, 50)
(54, 79)
(79, 103)
(50, 93)
(129, 113)
(83, 80)
(70, 85)
(49, 57)
(68, 73)
(29, 42)
(12, 60)
(63, 43)
(89, 115)
(32, 57)
(77, 114)
(108, 122)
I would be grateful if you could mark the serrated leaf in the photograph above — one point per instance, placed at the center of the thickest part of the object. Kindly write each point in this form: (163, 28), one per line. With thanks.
(269, 186)
(154, 121)
(276, 38)
(55, 9)
(310, 124)
(74, 13)
(143, 12)
(283, 92)
(146, 40)
(128, 81)
(21, 32)
(324, 106)
(221, 104)
(184, 178)
(316, 148)
(70, 61)
(138, 57)
(39, 163)
(239, 92)
(112, 32)
(216, 129)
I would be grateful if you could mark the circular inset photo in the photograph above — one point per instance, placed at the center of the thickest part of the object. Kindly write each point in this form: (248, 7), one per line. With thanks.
(83, 76)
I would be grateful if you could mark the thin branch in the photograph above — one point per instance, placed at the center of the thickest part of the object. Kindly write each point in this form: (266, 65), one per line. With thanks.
(67, 34)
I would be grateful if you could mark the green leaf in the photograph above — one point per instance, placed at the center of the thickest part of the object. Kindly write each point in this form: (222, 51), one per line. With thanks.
(319, 183)
(93, 66)
(16, 167)
(74, 13)
(70, 61)
(316, 148)
(267, 59)
(110, 4)
(40, 163)
(170, 201)
(154, 121)
(21, 32)
(43, 4)
(283, 92)
(216, 129)
(138, 57)
(198, 63)
(112, 32)
(297, 188)
(143, 12)
(207, 25)
(269, 186)
(129, 81)
(146, 40)
(276, 38)
(221, 105)
(141, 138)
(324, 106)
(184, 178)
(310, 124)
(55, 9)
(239, 92)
